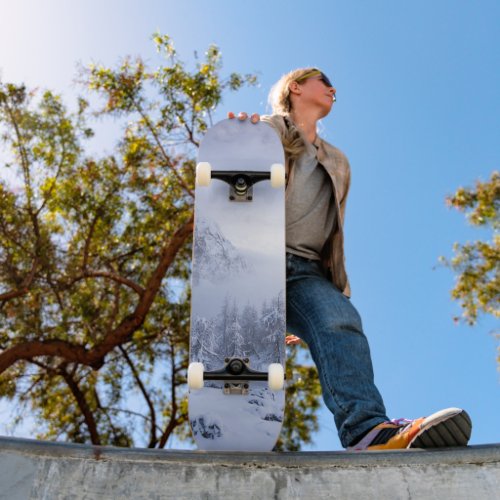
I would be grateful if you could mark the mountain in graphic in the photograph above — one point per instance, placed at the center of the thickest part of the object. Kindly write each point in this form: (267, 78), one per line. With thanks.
(215, 258)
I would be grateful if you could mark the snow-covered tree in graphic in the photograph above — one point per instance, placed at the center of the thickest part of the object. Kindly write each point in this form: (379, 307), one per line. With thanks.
(250, 325)
(273, 324)
(245, 333)
(235, 333)
(205, 342)
(223, 321)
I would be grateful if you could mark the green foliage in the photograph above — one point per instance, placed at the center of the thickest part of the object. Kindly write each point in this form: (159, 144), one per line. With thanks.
(476, 264)
(302, 402)
(95, 254)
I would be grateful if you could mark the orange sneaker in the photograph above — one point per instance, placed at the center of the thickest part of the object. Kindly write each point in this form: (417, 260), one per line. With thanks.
(450, 427)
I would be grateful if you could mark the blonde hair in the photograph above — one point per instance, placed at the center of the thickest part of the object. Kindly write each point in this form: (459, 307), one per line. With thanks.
(279, 96)
(281, 104)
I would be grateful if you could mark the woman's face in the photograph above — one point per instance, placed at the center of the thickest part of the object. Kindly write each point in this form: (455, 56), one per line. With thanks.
(316, 91)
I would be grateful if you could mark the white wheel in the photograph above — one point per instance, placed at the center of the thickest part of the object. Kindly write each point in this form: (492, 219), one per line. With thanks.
(195, 375)
(276, 377)
(277, 175)
(203, 173)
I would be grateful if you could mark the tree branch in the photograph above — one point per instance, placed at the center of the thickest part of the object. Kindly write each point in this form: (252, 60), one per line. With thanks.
(27, 177)
(114, 277)
(89, 238)
(152, 412)
(53, 184)
(122, 333)
(173, 422)
(24, 288)
(82, 404)
(160, 146)
(97, 215)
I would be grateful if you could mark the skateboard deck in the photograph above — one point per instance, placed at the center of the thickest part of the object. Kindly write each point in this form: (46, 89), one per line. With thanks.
(238, 290)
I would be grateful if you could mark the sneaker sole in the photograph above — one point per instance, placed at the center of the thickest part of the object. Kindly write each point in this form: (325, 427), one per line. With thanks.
(451, 427)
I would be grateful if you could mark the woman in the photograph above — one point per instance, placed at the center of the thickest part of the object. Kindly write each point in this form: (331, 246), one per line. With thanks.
(319, 310)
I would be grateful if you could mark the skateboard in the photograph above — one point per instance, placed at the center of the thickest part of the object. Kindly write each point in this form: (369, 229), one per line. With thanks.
(237, 337)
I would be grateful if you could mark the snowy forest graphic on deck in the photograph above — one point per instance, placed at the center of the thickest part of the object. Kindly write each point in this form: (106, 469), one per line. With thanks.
(246, 332)
(228, 327)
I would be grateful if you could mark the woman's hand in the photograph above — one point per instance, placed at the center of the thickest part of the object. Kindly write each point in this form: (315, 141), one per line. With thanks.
(292, 340)
(243, 116)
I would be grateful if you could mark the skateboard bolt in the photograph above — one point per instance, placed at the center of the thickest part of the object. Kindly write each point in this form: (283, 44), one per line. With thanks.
(235, 366)
(240, 185)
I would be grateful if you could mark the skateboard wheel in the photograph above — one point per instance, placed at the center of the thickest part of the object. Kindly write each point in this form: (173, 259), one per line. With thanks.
(277, 175)
(203, 173)
(195, 375)
(276, 377)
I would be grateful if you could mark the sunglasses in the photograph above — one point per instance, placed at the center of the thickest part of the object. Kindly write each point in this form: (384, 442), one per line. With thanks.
(316, 72)
(322, 76)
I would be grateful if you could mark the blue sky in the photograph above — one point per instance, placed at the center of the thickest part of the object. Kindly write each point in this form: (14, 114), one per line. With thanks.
(418, 115)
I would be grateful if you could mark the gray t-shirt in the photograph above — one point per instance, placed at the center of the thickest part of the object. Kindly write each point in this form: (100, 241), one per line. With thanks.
(310, 207)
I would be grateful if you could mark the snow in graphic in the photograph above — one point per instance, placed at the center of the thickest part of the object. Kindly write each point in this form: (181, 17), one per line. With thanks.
(219, 421)
(215, 256)
(247, 333)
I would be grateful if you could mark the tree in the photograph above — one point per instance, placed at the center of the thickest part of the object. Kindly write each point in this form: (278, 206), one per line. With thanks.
(95, 252)
(477, 264)
(302, 401)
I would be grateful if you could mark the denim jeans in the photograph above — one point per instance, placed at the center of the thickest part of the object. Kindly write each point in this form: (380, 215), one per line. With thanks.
(325, 319)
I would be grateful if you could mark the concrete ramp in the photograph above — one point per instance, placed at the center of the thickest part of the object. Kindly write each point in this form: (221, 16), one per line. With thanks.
(35, 469)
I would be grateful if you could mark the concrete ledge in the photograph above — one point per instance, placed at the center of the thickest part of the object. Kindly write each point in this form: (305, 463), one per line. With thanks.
(37, 469)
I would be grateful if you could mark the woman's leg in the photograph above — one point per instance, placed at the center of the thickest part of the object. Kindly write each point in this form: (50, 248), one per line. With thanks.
(326, 320)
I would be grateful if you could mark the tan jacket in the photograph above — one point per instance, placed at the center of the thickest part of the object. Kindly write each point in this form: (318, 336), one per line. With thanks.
(337, 166)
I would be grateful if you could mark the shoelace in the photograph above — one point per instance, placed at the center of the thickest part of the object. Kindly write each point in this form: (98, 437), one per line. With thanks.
(401, 421)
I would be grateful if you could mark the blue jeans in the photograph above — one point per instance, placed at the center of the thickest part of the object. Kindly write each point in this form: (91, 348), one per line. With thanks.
(325, 319)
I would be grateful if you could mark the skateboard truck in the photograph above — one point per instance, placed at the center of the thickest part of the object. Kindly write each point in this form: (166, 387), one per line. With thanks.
(240, 183)
(236, 374)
